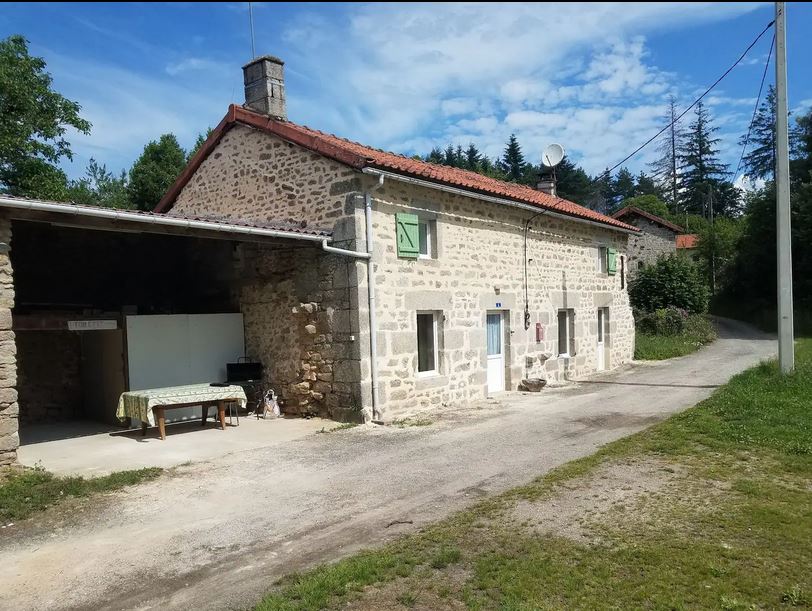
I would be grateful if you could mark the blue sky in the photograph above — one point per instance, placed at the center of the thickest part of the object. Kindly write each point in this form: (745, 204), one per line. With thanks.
(407, 77)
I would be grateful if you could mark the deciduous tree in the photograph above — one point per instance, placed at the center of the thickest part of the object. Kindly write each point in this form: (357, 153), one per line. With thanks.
(155, 171)
(34, 120)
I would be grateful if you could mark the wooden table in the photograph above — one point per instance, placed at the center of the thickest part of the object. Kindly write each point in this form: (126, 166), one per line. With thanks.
(160, 415)
(150, 405)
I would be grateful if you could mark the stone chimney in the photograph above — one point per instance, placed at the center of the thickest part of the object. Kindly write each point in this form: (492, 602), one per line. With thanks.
(546, 185)
(265, 86)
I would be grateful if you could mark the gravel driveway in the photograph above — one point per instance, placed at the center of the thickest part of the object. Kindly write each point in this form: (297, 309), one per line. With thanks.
(216, 535)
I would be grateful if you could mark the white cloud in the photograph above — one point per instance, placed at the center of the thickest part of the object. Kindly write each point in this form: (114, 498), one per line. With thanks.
(406, 77)
(197, 64)
(127, 109)
(476, 72)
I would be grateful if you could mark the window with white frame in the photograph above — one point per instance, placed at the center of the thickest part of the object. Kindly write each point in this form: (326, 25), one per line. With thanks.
(428, 355)
(603, 258)
(566, 333)
(427, 239)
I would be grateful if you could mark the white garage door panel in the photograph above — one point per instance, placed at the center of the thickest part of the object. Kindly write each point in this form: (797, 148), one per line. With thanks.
(214, 340)
(177, 349)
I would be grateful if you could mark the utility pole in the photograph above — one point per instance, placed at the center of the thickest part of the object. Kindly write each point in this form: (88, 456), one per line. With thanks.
(713, 241)
(786, 347)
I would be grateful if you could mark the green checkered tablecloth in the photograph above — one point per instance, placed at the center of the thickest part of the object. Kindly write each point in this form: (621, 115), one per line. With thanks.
(139, 403)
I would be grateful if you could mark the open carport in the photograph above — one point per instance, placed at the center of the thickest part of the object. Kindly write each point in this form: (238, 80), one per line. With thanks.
(102, 301)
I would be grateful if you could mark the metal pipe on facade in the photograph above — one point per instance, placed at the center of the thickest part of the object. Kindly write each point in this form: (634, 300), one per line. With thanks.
(373, 319)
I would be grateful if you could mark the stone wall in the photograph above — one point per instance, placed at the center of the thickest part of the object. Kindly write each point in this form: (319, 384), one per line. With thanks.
(294, 304)
(647, 247)
(298, 321)
(49, 377)
(9, 410)
(255, 176)
(299, 303)
(479, 268)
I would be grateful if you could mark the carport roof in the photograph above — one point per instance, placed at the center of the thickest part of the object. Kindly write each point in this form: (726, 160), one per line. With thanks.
(96, 217)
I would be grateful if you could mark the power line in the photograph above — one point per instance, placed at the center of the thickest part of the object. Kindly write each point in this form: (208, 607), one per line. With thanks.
(694, 103)
(755, 110)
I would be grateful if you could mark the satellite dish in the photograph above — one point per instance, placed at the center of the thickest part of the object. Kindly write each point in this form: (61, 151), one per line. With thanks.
(552, 155)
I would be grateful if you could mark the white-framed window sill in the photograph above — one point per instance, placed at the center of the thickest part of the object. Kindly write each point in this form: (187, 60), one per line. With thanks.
(427, 374)
(565, 355)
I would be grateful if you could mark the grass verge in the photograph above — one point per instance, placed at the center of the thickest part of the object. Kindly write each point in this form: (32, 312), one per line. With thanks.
(27, 491)
(729, 525)
(655, 347)
(340, 427)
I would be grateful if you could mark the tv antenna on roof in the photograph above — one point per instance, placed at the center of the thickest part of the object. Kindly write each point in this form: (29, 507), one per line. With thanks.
(251, 21)
(552, 155)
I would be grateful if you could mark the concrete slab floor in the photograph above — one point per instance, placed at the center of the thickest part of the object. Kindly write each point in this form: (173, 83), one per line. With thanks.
(92, 449)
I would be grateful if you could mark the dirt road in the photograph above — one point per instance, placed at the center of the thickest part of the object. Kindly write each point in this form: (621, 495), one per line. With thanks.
(216, 535)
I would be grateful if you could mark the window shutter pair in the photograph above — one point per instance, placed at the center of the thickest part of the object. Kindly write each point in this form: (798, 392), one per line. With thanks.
(408, 235)
(611, 261)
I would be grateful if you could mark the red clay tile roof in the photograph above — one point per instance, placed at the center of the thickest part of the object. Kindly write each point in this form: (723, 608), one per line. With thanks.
(359, 157)
(628, 210)
(689, 240)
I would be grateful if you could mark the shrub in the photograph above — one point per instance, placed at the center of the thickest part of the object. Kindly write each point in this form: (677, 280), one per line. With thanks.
(665, 321)
(673, 281)
(700, 329)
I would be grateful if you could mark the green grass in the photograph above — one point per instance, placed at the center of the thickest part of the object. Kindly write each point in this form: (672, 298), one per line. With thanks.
(732, 530)
(402, 423)
(340, 427)
(650, 347)
(25, 492)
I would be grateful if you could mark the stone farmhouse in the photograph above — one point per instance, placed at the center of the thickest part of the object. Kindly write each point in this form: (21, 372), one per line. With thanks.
(657, 237)
(369, 283)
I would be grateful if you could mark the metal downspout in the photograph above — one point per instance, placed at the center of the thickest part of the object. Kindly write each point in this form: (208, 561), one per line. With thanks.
(373, 319)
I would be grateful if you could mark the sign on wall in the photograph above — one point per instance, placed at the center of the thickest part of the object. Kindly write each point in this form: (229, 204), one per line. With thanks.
(92, 325)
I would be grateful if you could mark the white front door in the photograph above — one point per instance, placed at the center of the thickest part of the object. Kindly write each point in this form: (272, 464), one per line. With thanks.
(496, 353)
(601, 339)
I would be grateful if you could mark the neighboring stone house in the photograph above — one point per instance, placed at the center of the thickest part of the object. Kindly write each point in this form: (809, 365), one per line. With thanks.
(370, 283)
(657, 237)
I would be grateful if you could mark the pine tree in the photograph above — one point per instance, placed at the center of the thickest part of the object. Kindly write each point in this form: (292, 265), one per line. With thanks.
(100, 187)
(472, 157)
(623, 187)
(801, 138)
(512, 162)
(701, 168)
(759, 162)
(488, 168)
(602, 195)
(450, 156)
(666, 166)
(435, 156)
(155, 171)
(572, 182)
(201, 140)
(647, 186)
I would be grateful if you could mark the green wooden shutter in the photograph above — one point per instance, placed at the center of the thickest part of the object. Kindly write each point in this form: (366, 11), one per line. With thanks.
(408, 235)
(611, 261)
